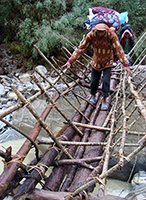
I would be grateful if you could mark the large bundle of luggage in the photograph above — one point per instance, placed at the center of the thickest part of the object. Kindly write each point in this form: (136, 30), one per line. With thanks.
(111, 17)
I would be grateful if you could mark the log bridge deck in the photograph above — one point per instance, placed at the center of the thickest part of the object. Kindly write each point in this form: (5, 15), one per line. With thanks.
(79, 155)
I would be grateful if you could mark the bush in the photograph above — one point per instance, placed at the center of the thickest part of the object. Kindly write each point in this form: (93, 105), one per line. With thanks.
(45, 32)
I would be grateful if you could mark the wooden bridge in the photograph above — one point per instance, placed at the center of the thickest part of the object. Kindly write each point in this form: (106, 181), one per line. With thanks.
(77, 158)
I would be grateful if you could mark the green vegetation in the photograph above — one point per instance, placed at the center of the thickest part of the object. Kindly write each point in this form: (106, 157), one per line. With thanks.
(44, 22)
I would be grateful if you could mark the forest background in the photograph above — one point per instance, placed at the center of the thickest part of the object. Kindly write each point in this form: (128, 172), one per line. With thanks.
(50, 23)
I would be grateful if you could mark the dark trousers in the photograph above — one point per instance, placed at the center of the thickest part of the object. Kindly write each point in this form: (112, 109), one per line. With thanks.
(95, 77)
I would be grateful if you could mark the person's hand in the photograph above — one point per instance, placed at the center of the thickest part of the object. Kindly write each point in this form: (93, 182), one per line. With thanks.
(127, 68)
(66, 65)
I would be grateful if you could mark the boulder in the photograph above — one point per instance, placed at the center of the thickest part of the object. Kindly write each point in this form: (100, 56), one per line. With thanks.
(139, 186)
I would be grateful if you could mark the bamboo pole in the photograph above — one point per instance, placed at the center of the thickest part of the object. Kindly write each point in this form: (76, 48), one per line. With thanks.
(45, 58)
(83, 75)
(107, 151)
(85, 99)
(83, 65)
(134, 133)
(42, 122)
(72, 143)
(75, 74)
(143, 86)
(138, 48)
(25, 135)
(121, 150)
(139, 56)
(129, 114)
(89, 143)
(76, 161)
(87, 57)
(129, 126)
(91, 126)
(55, 106)
(141, 81)
(137, 99)
(142, 39)
(139, 71)
(32, 98)
(61, 94)
(74, 47)
(138, 67)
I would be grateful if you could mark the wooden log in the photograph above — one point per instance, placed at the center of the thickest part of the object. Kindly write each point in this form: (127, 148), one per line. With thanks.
(47, 195)
(95, 173)
(81, 150)
(113, 83)
(58, 173)
(99, 136)
(73, 168)
(38, 194)
(54, 181)
(47, 159)
(13, 184)
(11, 169)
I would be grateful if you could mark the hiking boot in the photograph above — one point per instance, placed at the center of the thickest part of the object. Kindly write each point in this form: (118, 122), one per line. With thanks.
(93, 100)
(104, 107)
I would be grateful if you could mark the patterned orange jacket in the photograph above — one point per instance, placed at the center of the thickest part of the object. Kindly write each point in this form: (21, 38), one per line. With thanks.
(104, 41)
